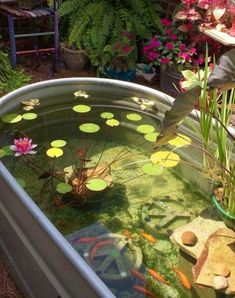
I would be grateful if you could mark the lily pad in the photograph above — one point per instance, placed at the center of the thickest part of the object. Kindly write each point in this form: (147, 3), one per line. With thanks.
(167, 159)
(180, 141)
(134, 117)
(81, 108)
(7, 149)
(151, 137)
(2, 153)
(55, 152)
(152, 169)
(145, 128)
(112, 122)
(11, 118)
(96, 184)
(29, 116)
(58, 143)
(21, 182)
(107, 115)
(89, 127)
(63, 187)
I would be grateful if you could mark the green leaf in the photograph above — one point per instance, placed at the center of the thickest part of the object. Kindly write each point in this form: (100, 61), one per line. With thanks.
(134, 117)
(29, 116)
(112, 122)
(58, 143)
(89, 127)
(2, 153)
(54, 152)
(152, 169)
(96, 184)
(106, 115)
(151, 137)
(21, 182)
(145, 128)
(63, 187)
(81, 108)
(188, 74)
(8, 151)
(11, 118)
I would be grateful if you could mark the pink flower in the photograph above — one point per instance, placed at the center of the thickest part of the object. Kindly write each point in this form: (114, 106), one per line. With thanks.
(173, 37)
(126, 49)
(146, 49)
(168, 31)
(184, 55)
(201, 59)
(169, 46)
(152, 56)
(193, 51)
(189, 2)
(182, 47)
(165, 60)
(166, 22)
(154, 43)
(23, 146)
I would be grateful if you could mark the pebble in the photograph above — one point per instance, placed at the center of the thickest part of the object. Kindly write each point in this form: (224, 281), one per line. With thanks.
(189, 238)
(221, 269)
(220, 282)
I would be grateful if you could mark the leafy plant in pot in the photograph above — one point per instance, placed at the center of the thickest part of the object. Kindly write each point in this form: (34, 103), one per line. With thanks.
(120, 58)
(214, 111)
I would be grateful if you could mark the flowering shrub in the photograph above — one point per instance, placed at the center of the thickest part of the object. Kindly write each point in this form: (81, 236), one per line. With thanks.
(174, 46)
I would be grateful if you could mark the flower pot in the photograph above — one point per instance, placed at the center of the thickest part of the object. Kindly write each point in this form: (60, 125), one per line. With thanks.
(227, 218)
(75, 60)
(128, 75)
(169, 79)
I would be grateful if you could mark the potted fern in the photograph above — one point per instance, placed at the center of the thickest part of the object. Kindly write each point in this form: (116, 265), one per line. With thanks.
(91, 25)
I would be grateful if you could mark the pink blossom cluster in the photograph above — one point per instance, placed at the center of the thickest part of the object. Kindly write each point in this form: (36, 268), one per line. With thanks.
(171, 48)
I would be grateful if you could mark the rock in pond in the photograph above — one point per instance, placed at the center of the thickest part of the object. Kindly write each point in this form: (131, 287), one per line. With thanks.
(189, 238)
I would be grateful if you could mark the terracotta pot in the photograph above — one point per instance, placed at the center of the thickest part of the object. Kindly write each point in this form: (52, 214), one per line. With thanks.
(227, 218)
(75, 60)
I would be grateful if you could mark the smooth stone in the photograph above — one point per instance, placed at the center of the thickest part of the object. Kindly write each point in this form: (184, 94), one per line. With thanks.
(220, 282)
(189, 238)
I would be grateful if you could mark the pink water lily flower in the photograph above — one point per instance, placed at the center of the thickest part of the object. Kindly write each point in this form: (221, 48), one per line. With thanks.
(23, 146)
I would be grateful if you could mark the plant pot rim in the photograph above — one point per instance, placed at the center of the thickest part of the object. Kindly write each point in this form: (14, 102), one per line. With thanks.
(68, 49)
(221, 209)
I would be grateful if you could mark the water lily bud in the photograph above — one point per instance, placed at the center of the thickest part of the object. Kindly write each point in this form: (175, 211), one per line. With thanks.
(189, 238)
(220, 282)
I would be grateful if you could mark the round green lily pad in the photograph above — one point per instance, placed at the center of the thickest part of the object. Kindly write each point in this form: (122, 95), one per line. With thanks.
(112, 122)
(2, 153)
(29, 116)
(58, 143)
(55, 152)
(11, 118)
(96, 184)
(21, 182)
(63, 187)
(107, 115)
(152, 169)
(7, 149)
(151, 137)
(134, 117)
(145, 128)
(81, 108)
(89, 127)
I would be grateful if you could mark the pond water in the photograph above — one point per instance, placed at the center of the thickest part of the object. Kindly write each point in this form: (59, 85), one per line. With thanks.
(94, 175)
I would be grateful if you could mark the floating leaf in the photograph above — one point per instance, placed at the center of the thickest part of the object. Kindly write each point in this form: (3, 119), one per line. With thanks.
(11, 118)
(55, 152)
(58, 143)
(134, 117)
(106, 115)
(167, 159)
(81, 93)
(2, 153)
(81, 109)
(152, 169)
(145, 128)
(7, 149)
(96, 184)
(112, 122)
(89, 127)
(29, 116)
(180, 141)
(151, 137)
(63, 187)
(21, 182)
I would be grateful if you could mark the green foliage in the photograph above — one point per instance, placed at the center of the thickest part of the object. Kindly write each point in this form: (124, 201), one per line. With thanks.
(93, 24)
(10, 79)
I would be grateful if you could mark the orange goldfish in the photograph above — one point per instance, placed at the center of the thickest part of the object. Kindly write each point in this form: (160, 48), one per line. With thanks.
(127, 234)
(149, 237)
(99, 245)
(87, 239)
(137, 274)
(183, 278)
(157, 276)
(142, 290)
